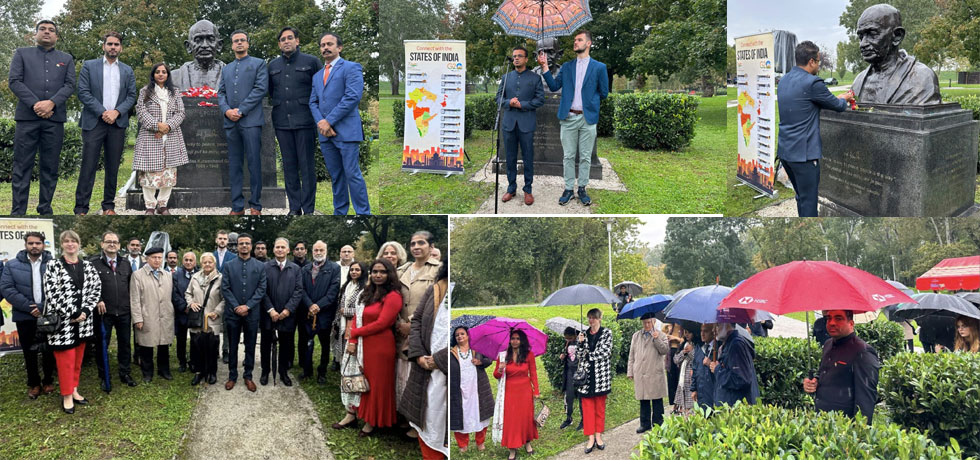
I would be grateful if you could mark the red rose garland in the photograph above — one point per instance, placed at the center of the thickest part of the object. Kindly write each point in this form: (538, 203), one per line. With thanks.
(205, 91)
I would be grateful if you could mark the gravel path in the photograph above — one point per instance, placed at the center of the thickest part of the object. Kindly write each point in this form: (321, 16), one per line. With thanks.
(120, 202)
(274, 422)
(546, 191)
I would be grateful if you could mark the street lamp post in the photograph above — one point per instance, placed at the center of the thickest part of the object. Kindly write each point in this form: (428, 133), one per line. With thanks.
(609, 223)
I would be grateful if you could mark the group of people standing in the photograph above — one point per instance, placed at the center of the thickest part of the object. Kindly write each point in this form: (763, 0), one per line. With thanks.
(310, 100)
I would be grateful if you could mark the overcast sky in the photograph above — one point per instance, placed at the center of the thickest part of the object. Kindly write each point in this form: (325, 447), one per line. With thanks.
(816, 21)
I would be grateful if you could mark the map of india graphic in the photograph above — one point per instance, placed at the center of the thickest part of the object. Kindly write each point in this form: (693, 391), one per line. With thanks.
(746, 105)
(421, 115)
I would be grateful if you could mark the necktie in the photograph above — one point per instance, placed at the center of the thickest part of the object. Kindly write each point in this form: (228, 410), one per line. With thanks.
(133, 263)
(326, 74)
(112, 265)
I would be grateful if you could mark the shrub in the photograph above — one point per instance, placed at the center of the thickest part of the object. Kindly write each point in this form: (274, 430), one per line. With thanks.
(627, 327)
(938, 392)
(607, 114)
(781, 363)
(365, 158)
(398, 107)
(887, 337)
(970, 102)
(71, 152)
(481, 111)
(656, 120)
(557, 341)
(767, 432)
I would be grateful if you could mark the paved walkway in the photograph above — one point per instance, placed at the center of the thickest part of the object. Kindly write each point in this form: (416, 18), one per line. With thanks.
(274, 422)
(546, 190)
(120, 202)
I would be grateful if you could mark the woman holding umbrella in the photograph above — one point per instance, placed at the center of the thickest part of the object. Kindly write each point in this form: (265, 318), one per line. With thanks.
(967, 335)
(593, 353)
(520, 384)
(204, 293)
(470, 396)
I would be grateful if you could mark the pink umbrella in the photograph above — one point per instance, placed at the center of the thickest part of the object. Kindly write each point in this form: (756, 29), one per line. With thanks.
(493, 337)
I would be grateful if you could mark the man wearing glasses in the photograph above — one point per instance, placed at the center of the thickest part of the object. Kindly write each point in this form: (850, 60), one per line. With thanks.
(519, 94)
(113, 309)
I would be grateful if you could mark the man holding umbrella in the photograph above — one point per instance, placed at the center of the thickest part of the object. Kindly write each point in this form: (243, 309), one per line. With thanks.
(734, 371)
(848, 376)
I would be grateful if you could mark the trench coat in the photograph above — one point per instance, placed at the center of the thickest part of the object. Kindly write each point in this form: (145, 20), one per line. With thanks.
(151, 303)
(646, 365)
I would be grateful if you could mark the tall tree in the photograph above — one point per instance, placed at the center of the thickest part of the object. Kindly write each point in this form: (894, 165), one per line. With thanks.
(486, 44)
(408, 20)
(700, 250)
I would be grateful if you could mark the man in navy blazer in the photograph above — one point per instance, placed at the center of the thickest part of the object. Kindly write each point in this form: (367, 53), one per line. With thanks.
(243, 85)
(283, 293)
(337, 90)
(243, 285)
(321, 284)
(107, 90)
(519, 94)
(801, 95)
(586, 83)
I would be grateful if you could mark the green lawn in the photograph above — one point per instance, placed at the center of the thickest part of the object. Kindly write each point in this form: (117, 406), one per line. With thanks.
(621, 407)
(688, 181)
(146, 421)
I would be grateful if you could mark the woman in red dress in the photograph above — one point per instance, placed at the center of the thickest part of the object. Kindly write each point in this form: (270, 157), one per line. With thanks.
(383, 300)
(522, 384)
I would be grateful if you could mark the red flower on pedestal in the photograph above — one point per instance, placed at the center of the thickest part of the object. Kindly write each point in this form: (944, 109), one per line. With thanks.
(205, 91)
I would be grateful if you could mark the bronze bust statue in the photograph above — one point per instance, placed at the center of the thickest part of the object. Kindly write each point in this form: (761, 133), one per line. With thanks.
(894, 76)
(549, 46)
(204, 43)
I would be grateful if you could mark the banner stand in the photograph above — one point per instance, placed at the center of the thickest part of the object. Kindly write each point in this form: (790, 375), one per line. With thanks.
(756, 95)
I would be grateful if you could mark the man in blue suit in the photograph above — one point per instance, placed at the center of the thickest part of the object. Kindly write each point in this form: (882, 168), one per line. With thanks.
(586, 83)
(243, 285)
(244, 83)
(321, 284)
(337, 90)
(801, 95)
(107, 90)
(282, 296)
(519, 94)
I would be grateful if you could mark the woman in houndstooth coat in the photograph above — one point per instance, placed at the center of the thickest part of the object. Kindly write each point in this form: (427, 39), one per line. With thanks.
(593, 355)
(160, 143)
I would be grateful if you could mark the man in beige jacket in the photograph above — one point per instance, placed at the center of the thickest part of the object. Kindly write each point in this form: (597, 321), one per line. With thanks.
(151, 294)
(646, 370)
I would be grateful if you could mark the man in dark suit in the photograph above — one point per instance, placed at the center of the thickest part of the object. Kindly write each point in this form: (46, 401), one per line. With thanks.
(321, 283)
(243, 285)
(586, 83)
(223, 254)
(283, 293)
(290, 84)
(134, 248)
(107, 90)
(337, 90)
(182, 279)
(801, 95)
(244, 83)
(43, 79)
(113, 308)
(519, 94)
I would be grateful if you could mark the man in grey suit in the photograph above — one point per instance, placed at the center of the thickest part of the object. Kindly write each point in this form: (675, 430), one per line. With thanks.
(107, 90)
(43, 79)
(519, 94)
(801, 95)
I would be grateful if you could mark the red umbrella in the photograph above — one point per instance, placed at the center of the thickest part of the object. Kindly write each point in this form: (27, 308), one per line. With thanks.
(813, 285)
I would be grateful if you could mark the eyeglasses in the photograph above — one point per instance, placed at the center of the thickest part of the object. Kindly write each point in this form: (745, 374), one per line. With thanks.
(110, 242)
(519, 56)
(240, 40)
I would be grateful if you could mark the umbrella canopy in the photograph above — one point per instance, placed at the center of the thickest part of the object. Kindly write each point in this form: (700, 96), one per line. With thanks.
(580, 294)
(929, 304)
(538, 19)
(638, 308)
(700, 305)
(558, 324)
(813, 285)
(972, 297)
(956, 274)
(469, 321)
(937, 329)
(632, 288)
(492, 337)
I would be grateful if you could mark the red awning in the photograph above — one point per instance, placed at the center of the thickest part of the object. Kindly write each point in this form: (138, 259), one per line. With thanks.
(961, 273)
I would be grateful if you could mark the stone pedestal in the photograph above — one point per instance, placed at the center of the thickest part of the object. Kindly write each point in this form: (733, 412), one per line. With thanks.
(548, 154)
(203, 182)
(897, 160)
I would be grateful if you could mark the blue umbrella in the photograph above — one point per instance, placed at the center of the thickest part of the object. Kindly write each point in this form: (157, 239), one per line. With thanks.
(701, 306)
(645, 305)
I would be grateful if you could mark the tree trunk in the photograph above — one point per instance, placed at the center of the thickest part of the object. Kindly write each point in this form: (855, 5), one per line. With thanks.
(707, 87)
(936, 228)
(395, 79)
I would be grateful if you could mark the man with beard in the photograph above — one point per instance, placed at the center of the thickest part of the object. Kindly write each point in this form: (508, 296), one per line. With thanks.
(261, 252)
(321, 283)
(204, 43)
(107, 90)
(299, 254)
(182, 279)
(222, 254)
(113, 308)
(243, 285)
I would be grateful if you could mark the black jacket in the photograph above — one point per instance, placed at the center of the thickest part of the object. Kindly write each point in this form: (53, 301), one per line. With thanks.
(36, 75)
(848, 377)
(115, 285)
(283, 291)
(16, 285)
(290, 84)
(322, 292)
(181, 281)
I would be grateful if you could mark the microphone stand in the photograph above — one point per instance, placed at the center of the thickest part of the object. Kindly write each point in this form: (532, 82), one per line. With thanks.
(496, 134)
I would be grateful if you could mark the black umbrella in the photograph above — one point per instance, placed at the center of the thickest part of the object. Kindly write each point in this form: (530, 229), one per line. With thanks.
(631, 287)
(972, 297)
(937, 329)
(930, 304)
(207, 345)
(275, 353)
(469, 321)
(104, 357)
(580, 294)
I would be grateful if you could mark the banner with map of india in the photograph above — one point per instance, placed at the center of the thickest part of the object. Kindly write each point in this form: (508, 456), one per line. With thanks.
(756, 88)
(11, 242)
(435, 103)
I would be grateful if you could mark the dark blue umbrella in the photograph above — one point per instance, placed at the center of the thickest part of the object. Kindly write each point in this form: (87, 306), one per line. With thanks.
(638, 308)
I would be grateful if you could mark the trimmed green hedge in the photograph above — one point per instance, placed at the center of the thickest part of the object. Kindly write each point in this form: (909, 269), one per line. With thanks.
(649, 121)
(887, 337)
(607, 114)
(365, 158)
(71, 151)
(481, 110)
(969, 102)
(781, 363)
(767, 432)
(938, 392)
(557, 341)
(398, 106)
(626, 327)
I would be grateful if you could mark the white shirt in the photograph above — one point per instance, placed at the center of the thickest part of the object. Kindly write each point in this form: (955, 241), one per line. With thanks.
(581, 66)
(110, 83)
(221, 257)
(36, 279)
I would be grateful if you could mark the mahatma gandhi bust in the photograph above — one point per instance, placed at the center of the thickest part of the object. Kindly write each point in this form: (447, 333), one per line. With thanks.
(549, 46)
(894, 77)
(204, 44)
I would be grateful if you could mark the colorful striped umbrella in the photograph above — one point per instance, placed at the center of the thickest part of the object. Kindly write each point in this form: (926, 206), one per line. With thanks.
(538, 19)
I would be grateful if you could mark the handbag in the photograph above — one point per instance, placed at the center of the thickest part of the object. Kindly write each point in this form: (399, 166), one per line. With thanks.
(581, 377)
(356, 382)
(48, 323)
(195, 319)
(542, 415)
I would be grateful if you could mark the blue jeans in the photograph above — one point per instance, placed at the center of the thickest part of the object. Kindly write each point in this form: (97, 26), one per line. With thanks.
(345, 176)
(245, 144)
(298, 167)
(526, 141)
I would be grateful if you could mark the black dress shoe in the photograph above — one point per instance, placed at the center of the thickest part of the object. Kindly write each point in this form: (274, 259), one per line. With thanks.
(182, 368)
(212, 379)
(305, 376)
(294, 213)
(565, 424)
(81, 402)
(286, 380)
(167, 375)
(106, 386)
(600, 446)
(642, 429)
(264, 380)
(197, 379)
(224, 359)
(579, 426)
(128, 380)
(147, 379)
(67, 411)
